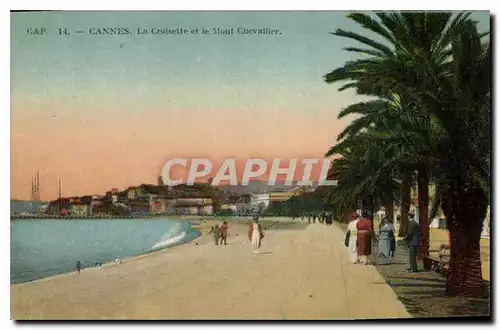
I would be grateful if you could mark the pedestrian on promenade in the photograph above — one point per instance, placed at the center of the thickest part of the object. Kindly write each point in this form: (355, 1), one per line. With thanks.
(352, 233)
(385, 239)
(412, 239)
(216, 233)
(78, 267)
(255, 234)
(364, 238)
(223, 233)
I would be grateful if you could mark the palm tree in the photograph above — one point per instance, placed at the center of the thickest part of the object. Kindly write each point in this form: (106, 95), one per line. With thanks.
(410, 40)
(463, 179)
(400, 131)
(362, 174)
(436, 61)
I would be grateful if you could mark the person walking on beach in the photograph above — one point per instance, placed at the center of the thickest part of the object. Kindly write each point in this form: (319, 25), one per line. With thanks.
(223, 233)
(364, 239)
(78, 267)
(386, 238)
(352, 236)
(255, 234)
(216, 233)
(412, 239)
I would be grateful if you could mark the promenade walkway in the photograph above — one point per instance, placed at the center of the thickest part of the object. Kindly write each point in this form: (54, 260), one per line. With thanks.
(300, 274)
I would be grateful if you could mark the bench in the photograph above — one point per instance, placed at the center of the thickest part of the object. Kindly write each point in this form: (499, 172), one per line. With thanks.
(441, 263)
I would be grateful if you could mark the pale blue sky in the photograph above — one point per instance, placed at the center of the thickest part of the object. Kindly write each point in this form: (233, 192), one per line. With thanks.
(155, 71)
(107, 111)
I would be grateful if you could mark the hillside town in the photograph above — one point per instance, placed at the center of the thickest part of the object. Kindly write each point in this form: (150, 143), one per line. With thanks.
(149, 200)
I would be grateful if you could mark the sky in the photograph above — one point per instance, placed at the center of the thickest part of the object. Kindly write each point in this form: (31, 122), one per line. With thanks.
(104, 112)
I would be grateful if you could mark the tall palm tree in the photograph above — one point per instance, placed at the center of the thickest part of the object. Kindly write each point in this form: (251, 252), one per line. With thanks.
(395, 118)
(463, 182)
(363, 176)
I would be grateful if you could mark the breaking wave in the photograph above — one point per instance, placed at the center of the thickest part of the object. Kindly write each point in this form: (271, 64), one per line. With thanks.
(174, 235)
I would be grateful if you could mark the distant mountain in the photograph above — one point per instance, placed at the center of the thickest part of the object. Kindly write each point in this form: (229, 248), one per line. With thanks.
(258, 187)
(17, 206)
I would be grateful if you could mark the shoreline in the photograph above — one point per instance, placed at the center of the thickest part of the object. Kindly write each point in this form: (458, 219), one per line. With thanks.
(191, 226)
(203, 227)
(104, 265)
(298, 274)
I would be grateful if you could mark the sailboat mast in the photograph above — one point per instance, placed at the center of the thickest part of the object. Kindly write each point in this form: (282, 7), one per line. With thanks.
(37, 193)
(37, 187)
(32, 189)
(32, 199)
(60, 195)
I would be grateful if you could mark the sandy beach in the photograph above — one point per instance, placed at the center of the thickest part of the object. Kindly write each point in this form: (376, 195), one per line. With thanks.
(300, 274)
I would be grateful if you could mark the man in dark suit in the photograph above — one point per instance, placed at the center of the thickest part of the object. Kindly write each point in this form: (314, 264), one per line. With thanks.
(413, 240)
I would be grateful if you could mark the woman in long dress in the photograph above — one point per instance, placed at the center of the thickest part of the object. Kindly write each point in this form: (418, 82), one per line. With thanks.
(364, 241)
(255, 235)
(216, 232)
(385, 240)
(353, 236)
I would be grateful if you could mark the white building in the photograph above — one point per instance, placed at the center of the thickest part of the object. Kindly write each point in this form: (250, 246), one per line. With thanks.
(231, 207)
(202, 206)
(260, 199)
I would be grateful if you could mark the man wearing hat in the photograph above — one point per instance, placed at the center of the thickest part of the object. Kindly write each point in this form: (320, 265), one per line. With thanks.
(413, 240)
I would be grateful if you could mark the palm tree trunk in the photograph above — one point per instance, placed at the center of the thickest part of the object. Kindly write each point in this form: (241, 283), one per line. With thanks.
(405, 205)
(389, 207)
(465, 213)
(345, 216)
(423, 208)
(368, 206)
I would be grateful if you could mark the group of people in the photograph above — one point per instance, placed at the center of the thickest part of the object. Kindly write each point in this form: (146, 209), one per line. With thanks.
(220, 233)
(360, 235)
(255, 234)
(79, 266)
(322, 217)
(359, 238)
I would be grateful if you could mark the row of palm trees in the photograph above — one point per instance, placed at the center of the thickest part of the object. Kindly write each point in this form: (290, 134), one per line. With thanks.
(427, 121)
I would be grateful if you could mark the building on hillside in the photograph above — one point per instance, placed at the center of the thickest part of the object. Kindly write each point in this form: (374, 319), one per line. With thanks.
(80, 206)
(158, 204)
(55, 206)
(139, 207)
(79, 209)
(102, 210)
(226, 207)
(134, 193)
(97, 202)
(73, 206)
(283, 196)
(245, 199)
(260, 200)
(194, 206)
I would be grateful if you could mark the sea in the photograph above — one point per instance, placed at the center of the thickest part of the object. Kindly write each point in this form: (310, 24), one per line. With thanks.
(46, 247)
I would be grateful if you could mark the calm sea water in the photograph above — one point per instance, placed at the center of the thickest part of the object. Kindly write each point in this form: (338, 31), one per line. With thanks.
(41, 248)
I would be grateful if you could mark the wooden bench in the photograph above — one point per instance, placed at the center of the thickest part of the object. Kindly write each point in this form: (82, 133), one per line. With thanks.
(441, 263)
